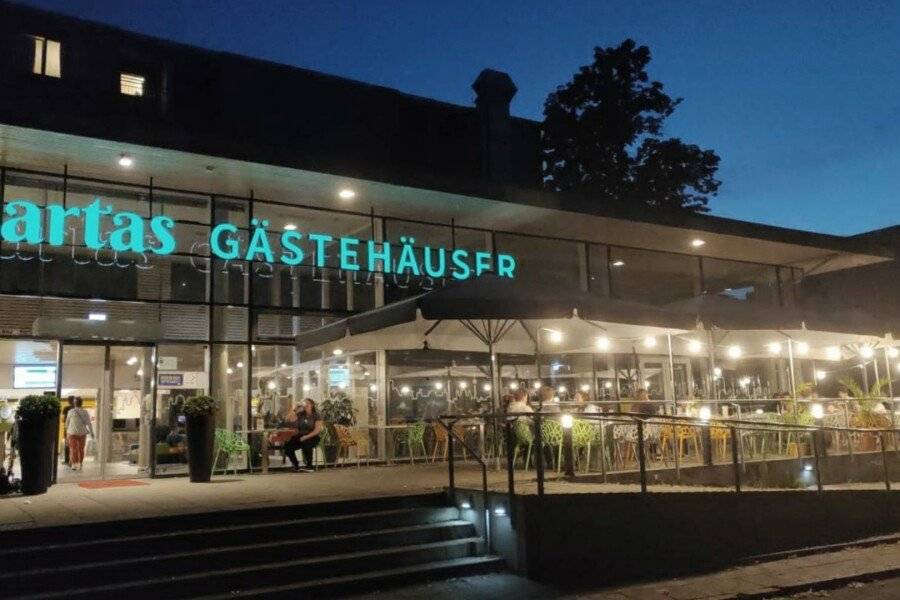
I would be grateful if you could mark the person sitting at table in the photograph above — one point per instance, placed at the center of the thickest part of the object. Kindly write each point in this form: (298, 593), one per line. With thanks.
(518, 403)
(549, 403)
(583, 404)
(309, 426)
(643, 404)
(175, 437)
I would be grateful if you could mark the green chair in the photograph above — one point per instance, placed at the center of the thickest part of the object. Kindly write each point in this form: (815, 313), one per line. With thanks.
(551, 437)
(230, 444)
(413, 436)
(583, 433)
(523, 437)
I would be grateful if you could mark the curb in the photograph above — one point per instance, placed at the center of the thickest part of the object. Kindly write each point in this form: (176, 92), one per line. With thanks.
(828, 584)
(786, 554)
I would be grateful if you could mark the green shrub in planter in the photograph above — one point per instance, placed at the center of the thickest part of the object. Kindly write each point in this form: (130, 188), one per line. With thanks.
(38, 418)
(200, 422)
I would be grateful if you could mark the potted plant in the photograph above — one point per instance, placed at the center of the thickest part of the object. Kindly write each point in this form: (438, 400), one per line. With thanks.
(335, 411)
(200, 422)
(38, 422)
(867, 414)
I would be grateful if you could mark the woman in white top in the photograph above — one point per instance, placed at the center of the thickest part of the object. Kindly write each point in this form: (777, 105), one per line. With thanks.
(78, 426)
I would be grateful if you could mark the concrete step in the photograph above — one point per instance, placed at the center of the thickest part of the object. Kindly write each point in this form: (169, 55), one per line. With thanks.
(204, 520)
(67, 549)
(372, 580)
(147, 566)
(329, 574)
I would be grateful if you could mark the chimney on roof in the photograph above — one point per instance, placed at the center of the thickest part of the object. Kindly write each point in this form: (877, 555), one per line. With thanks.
(494, 90)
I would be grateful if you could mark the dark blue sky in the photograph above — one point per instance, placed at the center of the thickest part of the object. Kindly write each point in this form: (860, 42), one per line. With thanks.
(801, 100)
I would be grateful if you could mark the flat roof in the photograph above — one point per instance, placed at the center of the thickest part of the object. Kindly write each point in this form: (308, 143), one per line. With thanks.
(518, 211)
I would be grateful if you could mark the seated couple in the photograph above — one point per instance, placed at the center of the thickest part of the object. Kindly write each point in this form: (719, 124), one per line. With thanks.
(309, 426)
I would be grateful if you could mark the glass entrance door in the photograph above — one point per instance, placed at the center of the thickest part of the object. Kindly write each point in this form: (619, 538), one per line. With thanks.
(114, 384)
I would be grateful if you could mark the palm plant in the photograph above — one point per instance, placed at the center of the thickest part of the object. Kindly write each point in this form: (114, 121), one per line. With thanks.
(867, 403)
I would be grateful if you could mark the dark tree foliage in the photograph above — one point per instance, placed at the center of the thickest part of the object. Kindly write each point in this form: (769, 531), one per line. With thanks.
(602, 135)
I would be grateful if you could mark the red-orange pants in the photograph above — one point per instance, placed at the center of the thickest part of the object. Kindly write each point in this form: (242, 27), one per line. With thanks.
(76, 448)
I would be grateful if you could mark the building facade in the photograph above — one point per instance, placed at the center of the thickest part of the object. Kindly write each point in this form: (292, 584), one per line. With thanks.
(173, 218)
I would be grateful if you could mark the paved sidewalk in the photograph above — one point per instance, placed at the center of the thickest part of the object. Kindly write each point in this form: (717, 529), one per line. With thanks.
(773, 579)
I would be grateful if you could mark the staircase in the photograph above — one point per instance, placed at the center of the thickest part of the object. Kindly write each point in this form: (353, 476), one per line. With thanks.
(322, 550)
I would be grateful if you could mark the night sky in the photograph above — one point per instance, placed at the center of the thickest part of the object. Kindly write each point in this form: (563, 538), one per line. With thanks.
(801, 100)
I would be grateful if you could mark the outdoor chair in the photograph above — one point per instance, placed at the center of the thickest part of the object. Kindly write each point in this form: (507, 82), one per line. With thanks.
(720, 436)
(441, 443)
(680, 438)
(523, 437)
(412, 436)
(346, 441)
(230, 444)
(583, 434)
(551, 437)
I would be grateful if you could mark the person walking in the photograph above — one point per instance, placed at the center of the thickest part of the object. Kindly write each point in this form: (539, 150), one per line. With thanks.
(78, 426)
(70, 404)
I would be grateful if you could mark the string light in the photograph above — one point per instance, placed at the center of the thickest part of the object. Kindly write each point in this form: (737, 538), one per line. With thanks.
(404, 390)
(561, 389)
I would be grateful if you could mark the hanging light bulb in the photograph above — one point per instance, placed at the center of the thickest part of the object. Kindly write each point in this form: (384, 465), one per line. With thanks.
(802, 348)
(607, 384)
(820, 375)
(486, 387)
(537, 385)
(893, 352)
(555, 336)
(694, 346)
(734, 351)
(514, 385)
(462, 385)
(438, 385)
(585, 387)
(649, 342)
(373, 387)
(833, 353)
(561, 389)
(271, 385)
(866, 351)
(306, 387)
(602, 343)
(774, 347)
(404, 390)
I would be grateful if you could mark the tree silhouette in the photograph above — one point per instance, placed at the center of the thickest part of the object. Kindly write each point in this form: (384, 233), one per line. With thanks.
(602, 135)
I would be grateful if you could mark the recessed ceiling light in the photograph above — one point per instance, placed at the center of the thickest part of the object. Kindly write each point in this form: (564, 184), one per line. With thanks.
(96, 316)
(618, 263)
(290, 227)
(126, 161)
(697, 242)
(347, 194)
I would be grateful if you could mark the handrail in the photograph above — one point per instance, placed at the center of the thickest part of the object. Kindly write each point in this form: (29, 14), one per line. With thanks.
(451, 434)
(640, 419)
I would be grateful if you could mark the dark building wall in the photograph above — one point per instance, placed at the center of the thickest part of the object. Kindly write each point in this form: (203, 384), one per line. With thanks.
(227, 105)
(874, 289)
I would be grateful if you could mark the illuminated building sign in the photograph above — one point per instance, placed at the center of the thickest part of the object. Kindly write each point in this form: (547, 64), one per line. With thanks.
(29, 223)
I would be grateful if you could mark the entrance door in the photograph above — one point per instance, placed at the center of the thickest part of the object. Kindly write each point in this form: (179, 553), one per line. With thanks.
(115, 385)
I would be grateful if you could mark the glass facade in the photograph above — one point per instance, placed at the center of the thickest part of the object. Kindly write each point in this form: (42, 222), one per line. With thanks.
(199, 324)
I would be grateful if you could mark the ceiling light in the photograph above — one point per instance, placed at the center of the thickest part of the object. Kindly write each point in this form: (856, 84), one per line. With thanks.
(561, 389)
(537, 385)
(697, 242)
(337, 351)
(373, 387)
(240, 365)
(140, 373)
(802, 348)
(126, 161)
(893, 352)
(514, 385)
(271, 385)
(404, 390)
(131, 360)
(607, 384)
(833, 353)
(774, 347)
(705, 413)
(438, 385)
(734, 351)
(306, 387)
(866, 351)
(717, 372)
(229, 371)
(820, 375)
(555, 336)
(694, 346)
(284, 365)
(585, 387)
(290, 227)
(649, 341)
(603, 343)
(486, 387)
(618, 263)
(346, 194)
(96, 316)
(462, 385)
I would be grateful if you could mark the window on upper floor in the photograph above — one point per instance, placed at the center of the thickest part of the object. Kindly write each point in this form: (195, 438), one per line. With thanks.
(131, 84)
(47, 57)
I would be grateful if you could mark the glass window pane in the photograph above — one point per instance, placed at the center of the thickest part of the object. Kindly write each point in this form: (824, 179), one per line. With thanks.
(183, 372)
(744, 281)
(38, 66)
(53, 66)
(231, 369)
(544, 262)
(653, 277)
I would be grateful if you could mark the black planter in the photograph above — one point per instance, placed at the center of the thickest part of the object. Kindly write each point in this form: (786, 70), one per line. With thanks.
(201, 437)
(36, 440)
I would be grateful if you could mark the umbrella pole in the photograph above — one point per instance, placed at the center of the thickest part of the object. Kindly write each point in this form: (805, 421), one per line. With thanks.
(793, 375)
(495, 390)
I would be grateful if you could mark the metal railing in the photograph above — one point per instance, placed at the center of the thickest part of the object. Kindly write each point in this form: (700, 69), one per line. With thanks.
(737, 430)
(451, 436)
